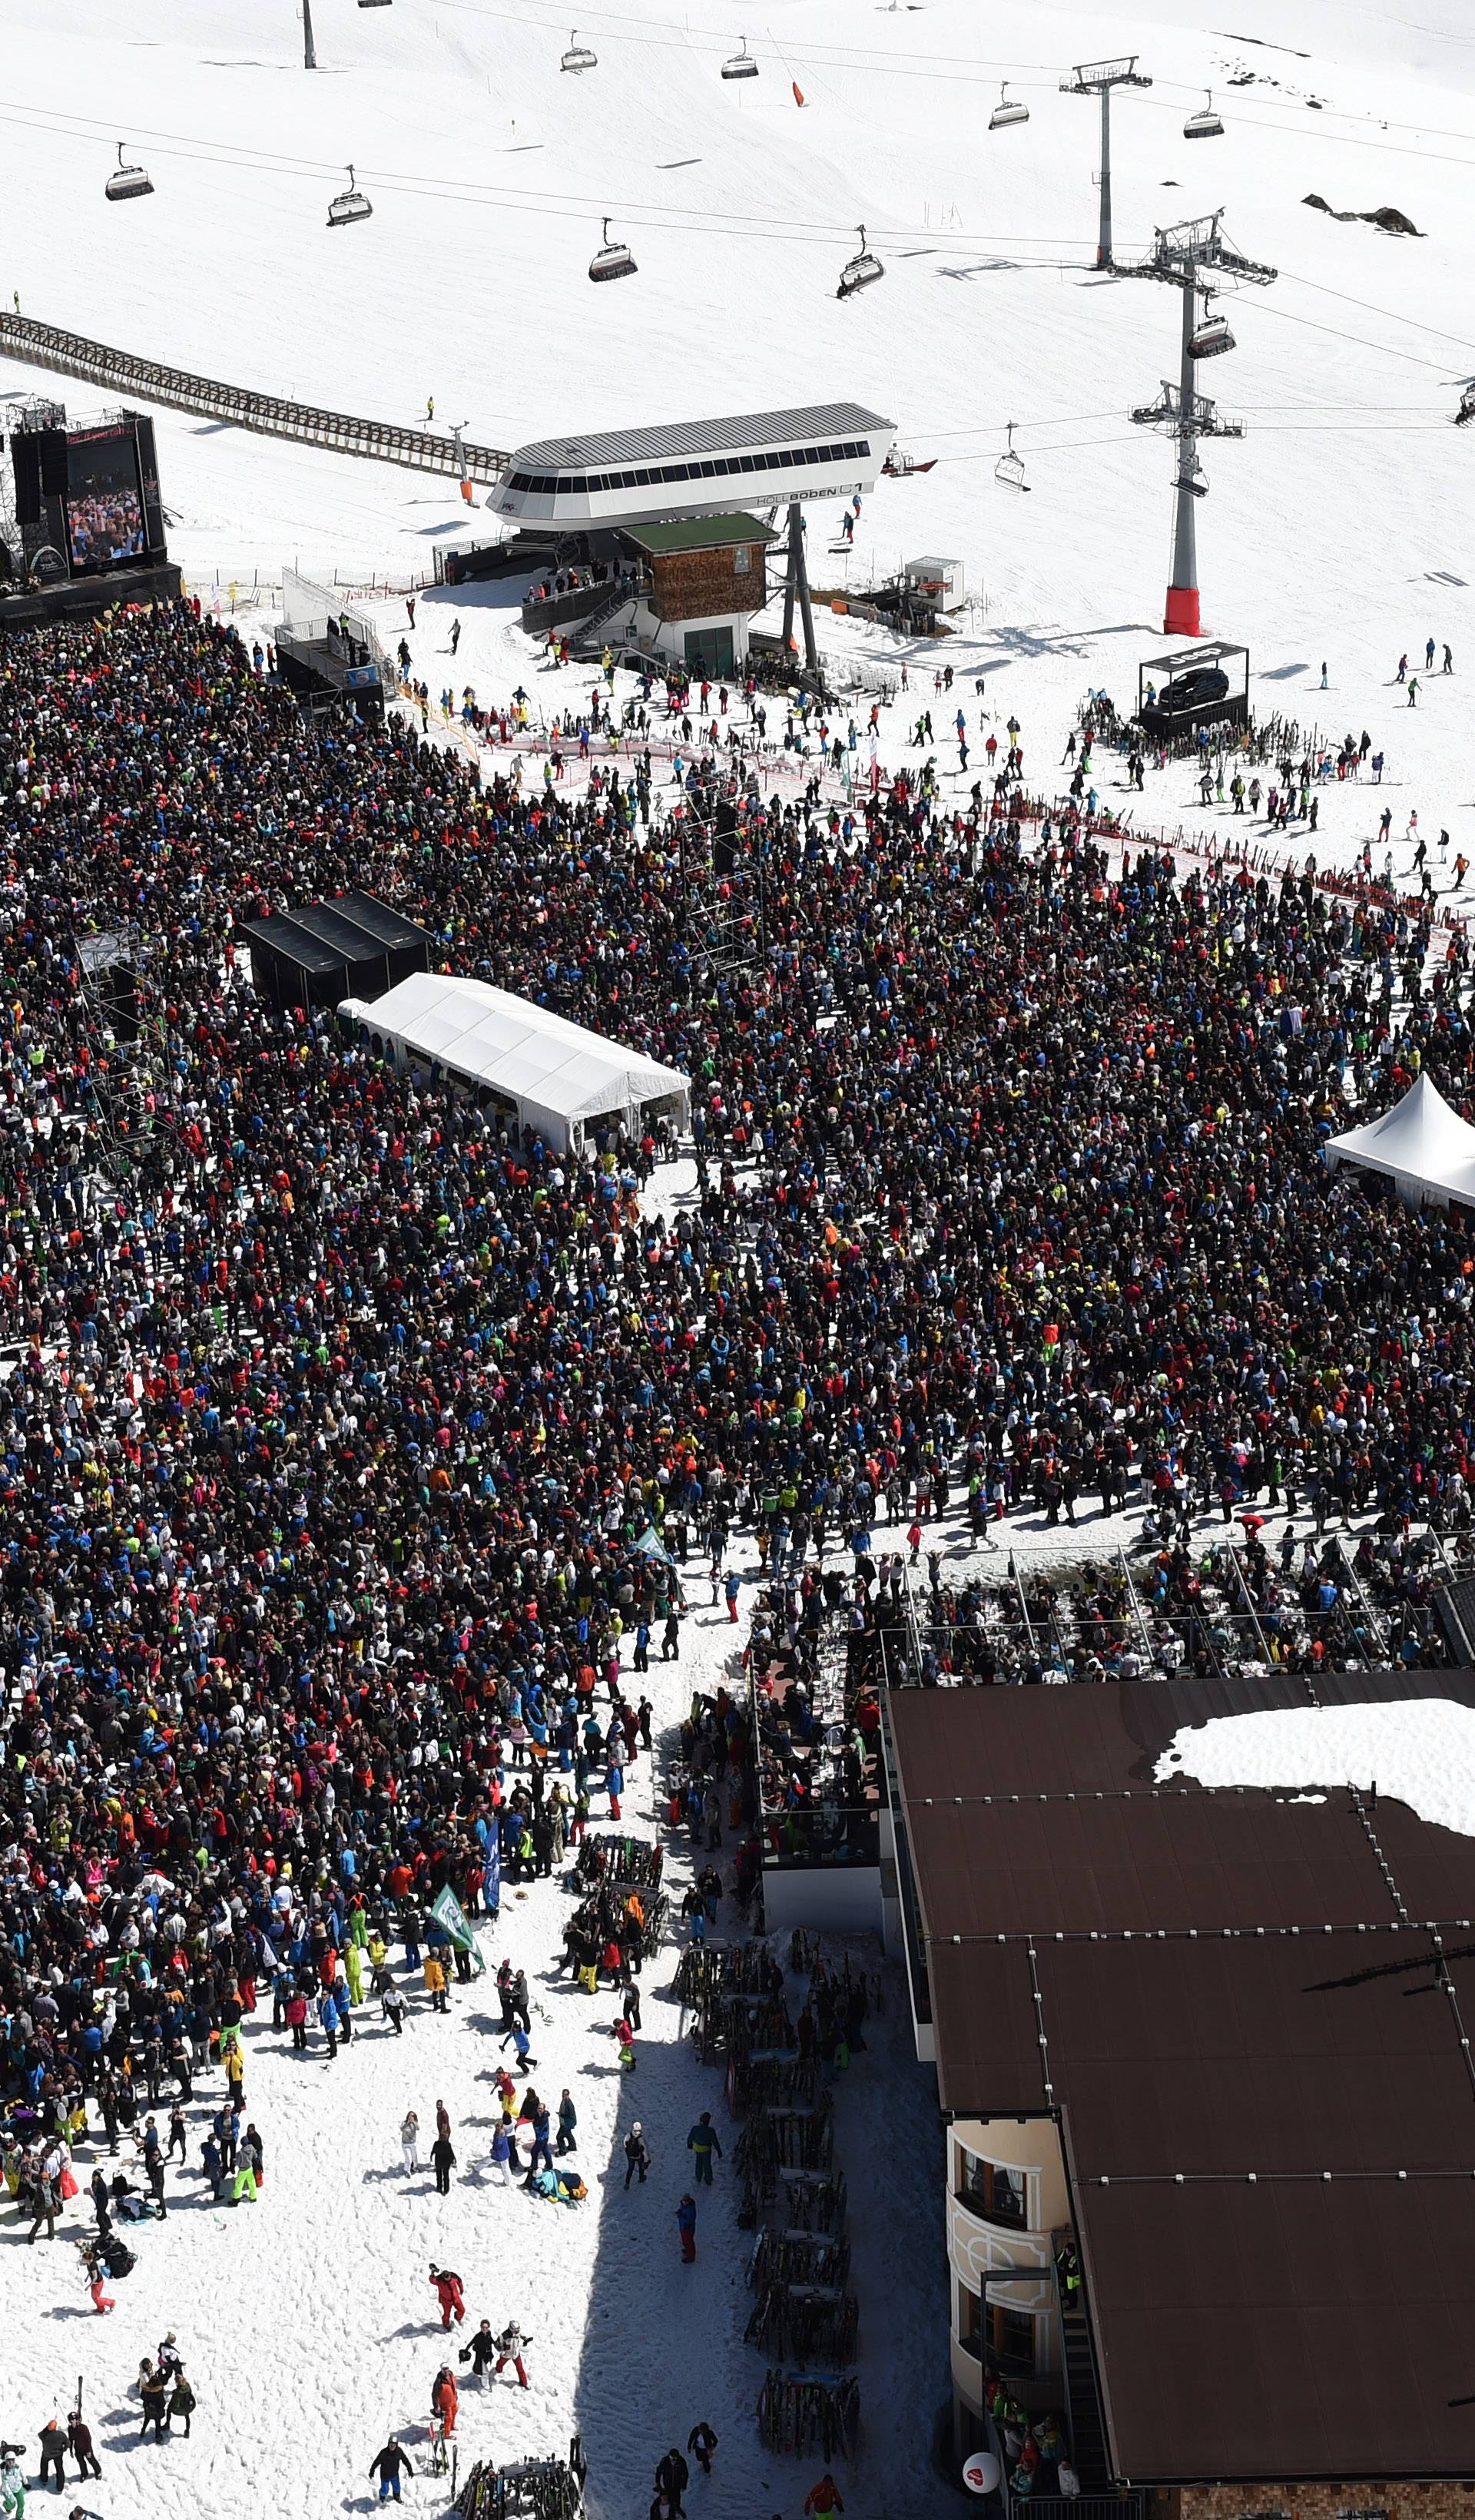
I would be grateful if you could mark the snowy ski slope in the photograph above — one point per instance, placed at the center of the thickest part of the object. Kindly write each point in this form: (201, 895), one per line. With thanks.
(1335, 531)
(489, 172)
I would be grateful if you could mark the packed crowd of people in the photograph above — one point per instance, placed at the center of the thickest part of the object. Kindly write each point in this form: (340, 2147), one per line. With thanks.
(334, 1416)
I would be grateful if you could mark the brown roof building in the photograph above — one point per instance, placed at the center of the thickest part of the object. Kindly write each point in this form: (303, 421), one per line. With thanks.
(1206, 2060)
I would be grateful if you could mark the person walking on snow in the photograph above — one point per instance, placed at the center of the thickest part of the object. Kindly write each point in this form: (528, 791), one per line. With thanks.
(702, 2440)
(443, 2155)
(389, 2466)
(686, 2224)
(671, 2479)
(703, 2141)
(825, 2496)
(509, 2346)
(409, 2140)
(636, 2154)
(449, 2294)
(503, 2156)
(568, 2121)
(482, 2353)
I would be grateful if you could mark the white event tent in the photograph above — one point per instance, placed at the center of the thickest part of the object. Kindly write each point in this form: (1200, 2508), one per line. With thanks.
(1423, 1148)
(553, 1075)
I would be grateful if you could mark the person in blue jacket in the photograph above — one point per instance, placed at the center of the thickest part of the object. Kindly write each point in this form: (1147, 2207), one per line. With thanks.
(686, 2224)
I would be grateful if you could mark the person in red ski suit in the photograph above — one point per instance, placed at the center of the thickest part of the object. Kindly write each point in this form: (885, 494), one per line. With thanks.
(448, 2293)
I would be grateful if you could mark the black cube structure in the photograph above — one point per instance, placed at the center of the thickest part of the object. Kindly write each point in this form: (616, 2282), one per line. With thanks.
(353, 946)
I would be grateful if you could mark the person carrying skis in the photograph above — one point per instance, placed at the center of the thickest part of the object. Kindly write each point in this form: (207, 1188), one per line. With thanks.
(80, 2444)
(445, 2399)
(510, 2345)
(449, 2294)
(54, 2448)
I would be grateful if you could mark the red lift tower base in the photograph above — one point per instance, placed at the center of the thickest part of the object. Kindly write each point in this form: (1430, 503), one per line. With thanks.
(1180, 613)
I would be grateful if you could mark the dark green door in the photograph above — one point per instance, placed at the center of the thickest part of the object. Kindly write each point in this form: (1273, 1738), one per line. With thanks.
(709, 652)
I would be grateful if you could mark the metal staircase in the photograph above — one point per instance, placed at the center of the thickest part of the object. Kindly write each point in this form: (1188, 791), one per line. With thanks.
(1086, 2432)
(585, 632)
(71, 354)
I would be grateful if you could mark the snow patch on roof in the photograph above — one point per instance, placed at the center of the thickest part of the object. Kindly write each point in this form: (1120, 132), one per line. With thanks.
(1420, 1751)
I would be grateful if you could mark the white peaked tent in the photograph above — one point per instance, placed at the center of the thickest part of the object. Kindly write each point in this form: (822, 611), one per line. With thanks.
(1423, 1148)
(552, 1074)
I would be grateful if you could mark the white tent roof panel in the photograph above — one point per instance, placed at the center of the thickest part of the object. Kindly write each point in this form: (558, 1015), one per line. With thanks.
(1424, 1144)
(525, 1051)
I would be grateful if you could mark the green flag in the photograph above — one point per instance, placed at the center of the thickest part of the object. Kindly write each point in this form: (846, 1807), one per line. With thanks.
(448, 1911)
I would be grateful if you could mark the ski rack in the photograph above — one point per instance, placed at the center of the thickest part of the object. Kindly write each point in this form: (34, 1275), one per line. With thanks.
(72, 354)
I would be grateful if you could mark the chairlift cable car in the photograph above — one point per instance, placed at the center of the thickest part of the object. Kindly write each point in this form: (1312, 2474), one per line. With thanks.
(1205, 124)
(612, 261)
(578, 56)
(861, 271)
(1009, 469)
(127, 183)
(1211, 338)
(741, 65)
(346, 208)
(374, 4)
(1007, 109)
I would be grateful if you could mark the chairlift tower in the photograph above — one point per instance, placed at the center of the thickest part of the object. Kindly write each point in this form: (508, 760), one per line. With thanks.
(1189, 257)
(1098, 78)
(309, 48)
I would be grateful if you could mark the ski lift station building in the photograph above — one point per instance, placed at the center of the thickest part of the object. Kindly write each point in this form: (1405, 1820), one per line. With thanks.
(939, 582)
(517, 1060)
(698, 468)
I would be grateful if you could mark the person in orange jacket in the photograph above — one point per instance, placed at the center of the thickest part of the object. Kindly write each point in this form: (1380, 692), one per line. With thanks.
(445, 2398)
(824, 2496)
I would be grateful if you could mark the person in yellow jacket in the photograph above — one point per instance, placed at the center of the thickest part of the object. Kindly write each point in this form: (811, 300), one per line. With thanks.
(353, 1970)
(435, 1982)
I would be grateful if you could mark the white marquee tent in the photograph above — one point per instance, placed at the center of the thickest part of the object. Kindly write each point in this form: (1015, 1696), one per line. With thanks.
(1421, 1146)
(552, 1074)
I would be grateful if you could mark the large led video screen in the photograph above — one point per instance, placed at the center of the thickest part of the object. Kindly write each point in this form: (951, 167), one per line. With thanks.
(104, 515)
